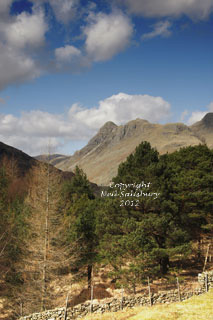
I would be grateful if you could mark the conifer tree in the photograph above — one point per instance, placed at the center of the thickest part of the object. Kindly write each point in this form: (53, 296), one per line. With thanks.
(158, 230)
(81, 223)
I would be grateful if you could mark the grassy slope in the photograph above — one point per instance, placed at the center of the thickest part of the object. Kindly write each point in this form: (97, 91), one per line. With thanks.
(195, 308)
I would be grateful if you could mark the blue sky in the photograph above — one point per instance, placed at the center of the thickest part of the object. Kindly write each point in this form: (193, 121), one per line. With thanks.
(68, 66)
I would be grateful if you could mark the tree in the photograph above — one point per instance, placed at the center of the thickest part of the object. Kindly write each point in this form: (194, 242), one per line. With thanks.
(81, 223)
(137, 165)
(78, 186)
(13, 231)
(81, 235)
(158, 230)
(192, 190)
(45, 254)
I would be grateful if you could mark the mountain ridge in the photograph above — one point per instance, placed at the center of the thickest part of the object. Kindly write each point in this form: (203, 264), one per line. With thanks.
(23, 161)
(112, 144)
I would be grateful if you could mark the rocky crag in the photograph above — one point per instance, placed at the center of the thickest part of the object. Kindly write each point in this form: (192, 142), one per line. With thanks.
(112, 144)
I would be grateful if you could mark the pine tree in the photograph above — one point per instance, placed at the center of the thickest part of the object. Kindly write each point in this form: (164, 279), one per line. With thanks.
(81, 223)
(158, 230)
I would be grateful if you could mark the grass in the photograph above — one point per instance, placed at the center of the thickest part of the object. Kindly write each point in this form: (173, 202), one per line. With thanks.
(195, 308)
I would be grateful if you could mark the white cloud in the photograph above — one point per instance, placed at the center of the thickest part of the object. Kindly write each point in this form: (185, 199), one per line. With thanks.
(121, 108)
(66, 53)
(5, 5)
(64, 10)
(20, 38)
(70, 58)
(5, 8)
(16, 66)
(107, 35)
(35, 147)
(198, 115)
(26, 29)
(196, 9)
(161, 28)
(32, 130)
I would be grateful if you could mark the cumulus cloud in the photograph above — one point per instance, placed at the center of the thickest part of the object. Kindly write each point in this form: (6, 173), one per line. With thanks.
(161, 29)
(16, 66)
(121, 108)
(5, 8)
(195, 9)
(26, 29)
(32, 130)
(66, 53)
(107, 35)
(70, 58)
(64, 10)
(198, 115)
(5, 5)
(20, 37)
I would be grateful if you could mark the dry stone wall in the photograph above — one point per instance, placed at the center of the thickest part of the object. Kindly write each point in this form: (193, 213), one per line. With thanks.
(206, 279)
(114, 305)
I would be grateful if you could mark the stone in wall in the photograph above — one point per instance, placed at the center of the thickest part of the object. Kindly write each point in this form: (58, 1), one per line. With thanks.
(202, 279)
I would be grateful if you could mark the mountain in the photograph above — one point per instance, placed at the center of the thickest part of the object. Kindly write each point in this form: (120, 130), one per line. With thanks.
(112, 144)
(204, 129)
(21, 162)
(18, 158)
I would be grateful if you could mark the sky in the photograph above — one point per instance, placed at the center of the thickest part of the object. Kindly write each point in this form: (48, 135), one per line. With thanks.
(69, 66)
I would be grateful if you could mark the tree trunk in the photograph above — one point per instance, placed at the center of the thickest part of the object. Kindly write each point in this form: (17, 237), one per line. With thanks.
(46, 240)
(199, 249)
(89, 275)
(164, 264)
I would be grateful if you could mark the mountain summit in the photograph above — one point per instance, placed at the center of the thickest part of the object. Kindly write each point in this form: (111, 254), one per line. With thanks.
(112, 144)
(204, 129)
(208, 120)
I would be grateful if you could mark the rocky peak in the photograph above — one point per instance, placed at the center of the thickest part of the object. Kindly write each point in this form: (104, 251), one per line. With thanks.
(208, 120)
(104, 134)
(108, 127)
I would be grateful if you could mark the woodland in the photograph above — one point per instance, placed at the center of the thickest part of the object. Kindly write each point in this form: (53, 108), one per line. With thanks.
(51, 226)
